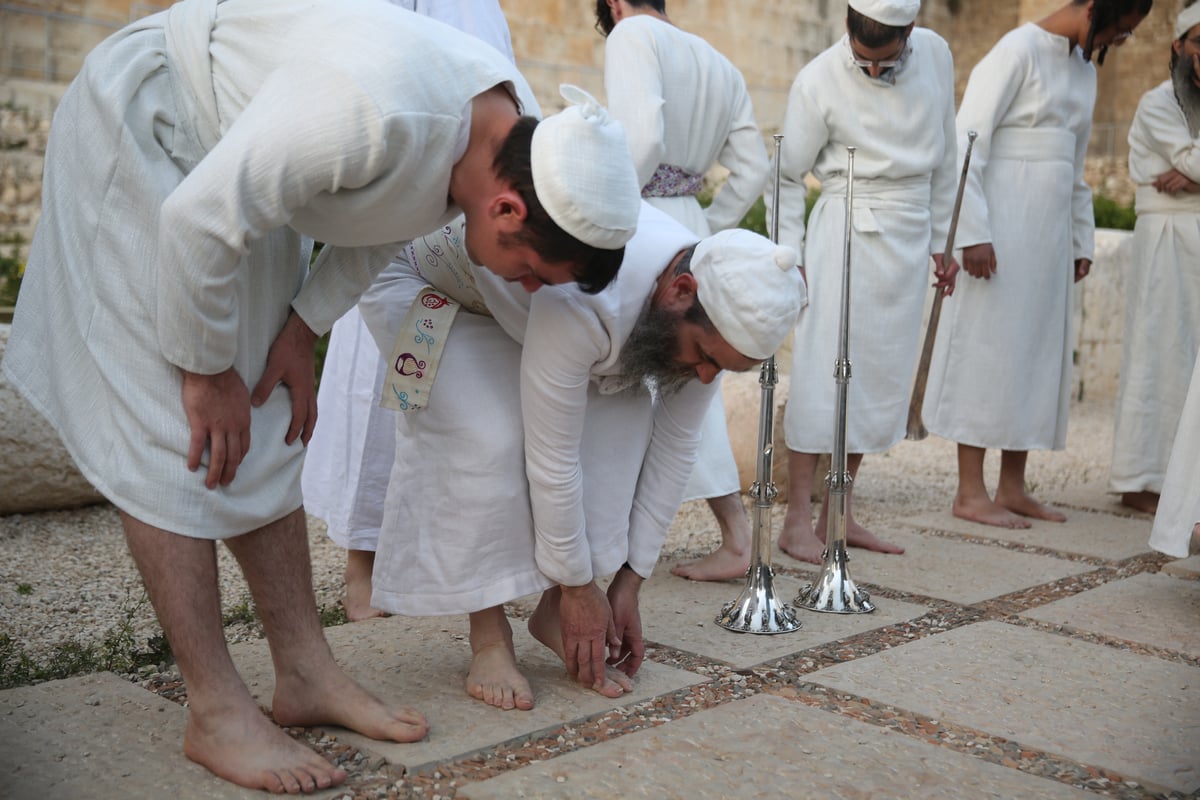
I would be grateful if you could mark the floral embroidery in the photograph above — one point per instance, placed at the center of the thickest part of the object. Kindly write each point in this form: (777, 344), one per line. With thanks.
(672, 181)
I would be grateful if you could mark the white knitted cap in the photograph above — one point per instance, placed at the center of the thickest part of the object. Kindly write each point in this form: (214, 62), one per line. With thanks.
(750, 288)
(583, 172)
(1187, 19)
(888, 12)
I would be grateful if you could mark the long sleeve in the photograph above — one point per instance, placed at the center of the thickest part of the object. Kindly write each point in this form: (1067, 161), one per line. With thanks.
(745, 156)
(1159, 138)
(665, 471)
(1083, 215)
(944, 183)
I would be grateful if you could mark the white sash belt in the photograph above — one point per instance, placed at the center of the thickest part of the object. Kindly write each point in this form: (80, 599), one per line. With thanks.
(1150, 201)
(1034, 144)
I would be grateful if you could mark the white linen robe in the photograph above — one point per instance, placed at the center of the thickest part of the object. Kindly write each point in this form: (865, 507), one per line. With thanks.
(904, 192)
(683, 103)
(1179, 505)
(521, 473)
(350, 453)
(1162, 296)
(1000, 375)
(190, 165)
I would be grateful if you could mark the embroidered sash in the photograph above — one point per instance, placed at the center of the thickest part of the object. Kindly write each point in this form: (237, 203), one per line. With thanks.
(672, 181)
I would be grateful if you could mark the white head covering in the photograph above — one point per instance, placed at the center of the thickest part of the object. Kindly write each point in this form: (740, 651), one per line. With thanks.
(583, 172)
(1187, 19)
(888, 12)
(750, 288)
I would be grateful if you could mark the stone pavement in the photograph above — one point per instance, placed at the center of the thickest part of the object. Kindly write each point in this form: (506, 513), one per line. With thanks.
(1060, 661)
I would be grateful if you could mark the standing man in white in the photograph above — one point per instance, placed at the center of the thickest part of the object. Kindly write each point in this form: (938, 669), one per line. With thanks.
(685, 107)
(887, 88)
(1162, 294)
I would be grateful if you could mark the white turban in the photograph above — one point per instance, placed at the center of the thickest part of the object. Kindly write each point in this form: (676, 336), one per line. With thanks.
(750, 288)
(583, 172)
(1187, 19)
(888, 12)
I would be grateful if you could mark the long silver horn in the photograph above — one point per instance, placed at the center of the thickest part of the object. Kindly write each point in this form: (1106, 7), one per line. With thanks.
(834, 591)
(758, 609)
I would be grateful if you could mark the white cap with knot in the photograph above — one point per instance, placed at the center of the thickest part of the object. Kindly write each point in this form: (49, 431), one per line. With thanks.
(750, 288)
(888, 12)
(583, 172)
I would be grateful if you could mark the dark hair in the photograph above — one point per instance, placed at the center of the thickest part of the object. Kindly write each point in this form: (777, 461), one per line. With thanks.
(594, 268)
(604, 20)
(695, 312)
(1105, 14)
(870, 33)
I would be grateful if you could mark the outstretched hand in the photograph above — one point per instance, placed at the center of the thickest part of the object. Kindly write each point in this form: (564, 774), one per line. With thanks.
(627, 620)
(587, 631)
(290, 362)
(218, 412)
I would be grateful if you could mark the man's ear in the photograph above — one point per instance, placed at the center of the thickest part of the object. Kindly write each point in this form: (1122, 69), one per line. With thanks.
(507, 210)
(681, 292)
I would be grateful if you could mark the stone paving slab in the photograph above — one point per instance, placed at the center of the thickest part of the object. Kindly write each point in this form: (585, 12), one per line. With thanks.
(99, 737)
(1084, 533)
(1149, 608)
(1048, 692)
(681, 613)
(960, 572)
(1184, 568)
(423, 662)
(767, 747)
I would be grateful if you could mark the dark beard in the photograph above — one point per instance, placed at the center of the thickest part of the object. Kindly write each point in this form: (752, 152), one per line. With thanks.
(1187, 93)
(650, 355)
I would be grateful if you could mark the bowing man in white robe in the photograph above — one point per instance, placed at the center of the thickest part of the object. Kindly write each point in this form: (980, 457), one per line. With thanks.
(685, 107)
(189, 167)
(1162, 293)
(350, 454)
(1001, 369)
(887, 89)
(540, 461)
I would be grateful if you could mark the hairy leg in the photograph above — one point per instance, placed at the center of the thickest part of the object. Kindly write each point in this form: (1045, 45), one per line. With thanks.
(494, 677)
(226, 732)
(1011, 492)
(856, 535)
(972, 501)
(1145, 501)
(732, 558)
(310, 687)
(359, 566)
(799, 539)
(545, 627)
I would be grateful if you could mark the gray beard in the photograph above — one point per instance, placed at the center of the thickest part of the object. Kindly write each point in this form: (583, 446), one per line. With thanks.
(650, 354)
(1187, 94)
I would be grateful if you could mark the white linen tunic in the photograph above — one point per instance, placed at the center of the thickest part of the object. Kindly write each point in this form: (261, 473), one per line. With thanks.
(1000, 375)
(685, 104)
(189, 165)
(1162, 296)
(903, 192)
(350, 453)
(1179, 505)
(527, 469)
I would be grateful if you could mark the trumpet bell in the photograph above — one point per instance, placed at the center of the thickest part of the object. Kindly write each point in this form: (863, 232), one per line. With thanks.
(758, 608)
(834, 591)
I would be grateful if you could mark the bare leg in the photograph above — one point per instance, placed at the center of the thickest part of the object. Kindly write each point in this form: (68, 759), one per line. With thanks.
(1012, 494)
(359, 566)
(972, 501)
(494, 677)
(310, 687)
(799, 539)
(545, 627)
(226, 732)
(856, 535)
(1145, 501)
(732, 558)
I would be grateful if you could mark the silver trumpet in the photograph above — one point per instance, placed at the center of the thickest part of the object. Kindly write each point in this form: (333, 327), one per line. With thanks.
(758, 609)
(834, 591)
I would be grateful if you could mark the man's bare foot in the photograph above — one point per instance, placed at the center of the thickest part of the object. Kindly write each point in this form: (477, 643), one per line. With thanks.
(330, 697)
(983, 510)
(495, 679)
(241, 745)
(718, 565)
(1144, 501)
(1022, 503)
(858, 536)
(544, 626)
(800, 540)
(359, 566)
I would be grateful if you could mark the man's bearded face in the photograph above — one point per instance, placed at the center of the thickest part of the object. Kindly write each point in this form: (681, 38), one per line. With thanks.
(1183, 78)
(651, 354)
